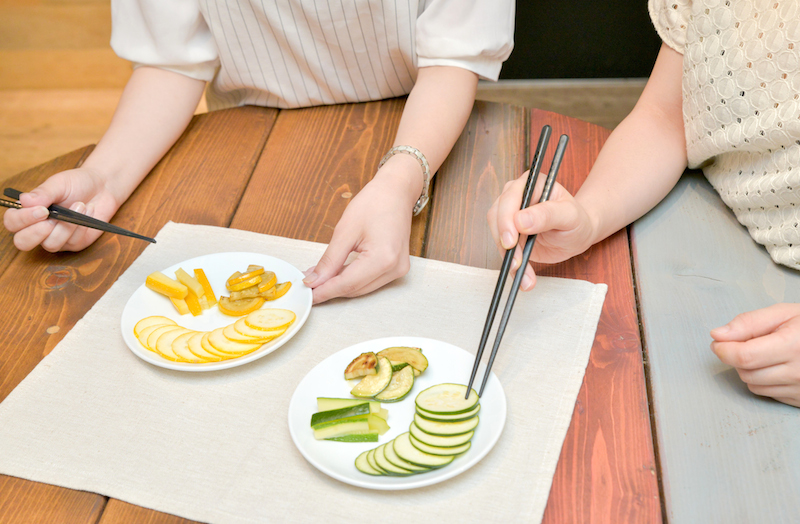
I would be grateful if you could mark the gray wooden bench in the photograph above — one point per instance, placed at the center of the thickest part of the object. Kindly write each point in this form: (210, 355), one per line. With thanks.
(725, 454)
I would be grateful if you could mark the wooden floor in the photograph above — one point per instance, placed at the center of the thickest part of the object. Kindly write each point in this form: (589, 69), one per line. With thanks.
(60, 81)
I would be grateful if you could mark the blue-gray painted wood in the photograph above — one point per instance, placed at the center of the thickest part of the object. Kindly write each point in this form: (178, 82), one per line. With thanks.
(726, 455)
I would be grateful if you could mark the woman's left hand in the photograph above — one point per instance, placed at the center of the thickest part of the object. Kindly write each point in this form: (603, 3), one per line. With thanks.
(764, 347)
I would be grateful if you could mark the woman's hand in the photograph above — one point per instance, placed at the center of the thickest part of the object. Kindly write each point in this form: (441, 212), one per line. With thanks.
(563, 227)
(376, 227)
(764, 347)
(80, 190)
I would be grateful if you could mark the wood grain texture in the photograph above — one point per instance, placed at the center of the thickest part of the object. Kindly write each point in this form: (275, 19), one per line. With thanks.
(119, 512)
(24, 501)
(726, 455)
(342, 148)
(606, 472)
(607, 469)
(200, 180)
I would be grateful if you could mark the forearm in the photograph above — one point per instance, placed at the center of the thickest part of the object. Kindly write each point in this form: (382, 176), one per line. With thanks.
(155, 108)
(643, 158)
(434, 116)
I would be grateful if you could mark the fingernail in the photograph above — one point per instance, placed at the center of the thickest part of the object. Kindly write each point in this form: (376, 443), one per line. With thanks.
(40, 212)
(524, 220)
(527, 283)
(89, 210)
(310, 279)
(721, 330)
(78, 207)
(507, 240)
(514, 263)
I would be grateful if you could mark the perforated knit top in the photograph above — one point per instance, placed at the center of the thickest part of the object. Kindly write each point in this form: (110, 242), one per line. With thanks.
(741, 108)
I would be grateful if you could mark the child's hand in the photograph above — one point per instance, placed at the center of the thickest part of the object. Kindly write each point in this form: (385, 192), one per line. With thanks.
(564, 228)
(764, 347)
(376, 226)
(80, 190)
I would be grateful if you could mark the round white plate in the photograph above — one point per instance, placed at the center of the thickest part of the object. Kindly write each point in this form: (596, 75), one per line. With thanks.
(218, 267)
(447, 363)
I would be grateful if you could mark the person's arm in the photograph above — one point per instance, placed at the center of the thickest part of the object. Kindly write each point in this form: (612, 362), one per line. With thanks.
(155, 108)
(376, 225)
(640, 162)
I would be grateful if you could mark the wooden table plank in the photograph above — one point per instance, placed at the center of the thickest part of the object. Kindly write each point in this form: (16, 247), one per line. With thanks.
(726, 455)
(606, 472)
(343, 148)
(25, 501)
(200, 180)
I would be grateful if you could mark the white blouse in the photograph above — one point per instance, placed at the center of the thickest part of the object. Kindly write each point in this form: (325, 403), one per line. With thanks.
(741, 108)
(298, 53)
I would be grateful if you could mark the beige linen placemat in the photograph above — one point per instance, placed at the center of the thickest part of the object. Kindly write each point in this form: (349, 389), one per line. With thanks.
(215, 446)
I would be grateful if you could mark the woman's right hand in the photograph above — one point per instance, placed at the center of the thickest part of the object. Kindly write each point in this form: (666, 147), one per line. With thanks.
(80, 190)
(563, 226)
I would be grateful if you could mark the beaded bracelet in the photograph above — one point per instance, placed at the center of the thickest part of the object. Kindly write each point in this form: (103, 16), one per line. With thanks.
(426, 171)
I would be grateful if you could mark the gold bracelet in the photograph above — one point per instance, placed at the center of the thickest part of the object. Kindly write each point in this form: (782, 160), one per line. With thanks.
(426, 171)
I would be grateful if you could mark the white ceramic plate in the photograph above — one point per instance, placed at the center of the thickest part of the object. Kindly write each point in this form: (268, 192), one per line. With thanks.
(218, 267)
(447, 363)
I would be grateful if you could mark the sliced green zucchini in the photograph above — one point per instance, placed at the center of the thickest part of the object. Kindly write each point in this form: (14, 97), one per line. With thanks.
(407, 452)
(378, 424)
(328, 403)
(437, 441)
(412, 356)
(363, 466)
(322, 417)
(392, 457)
(397, 366)
(398, 387)
(366, 436)
(371, 385)
(341, 427)
(372, 463)
(445, 429)
(387, 466)
(361, 366)
(446, 399)
(436, 450)
(449, 418)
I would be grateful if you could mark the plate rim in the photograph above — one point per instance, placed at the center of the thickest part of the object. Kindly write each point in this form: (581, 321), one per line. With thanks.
(156, 360)
(411, 481)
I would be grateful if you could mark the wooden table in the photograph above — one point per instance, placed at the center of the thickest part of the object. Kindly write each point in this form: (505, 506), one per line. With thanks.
(291, 173)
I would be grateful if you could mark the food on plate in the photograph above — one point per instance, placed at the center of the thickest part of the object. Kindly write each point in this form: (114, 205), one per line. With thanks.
(387, 376)
(208, 292)
(161, 283)
(238, 308)
(401, 356)
(166, 338)
(443, 426)
(361, 366)
(349, 420)
(254, 286)
(270, 319)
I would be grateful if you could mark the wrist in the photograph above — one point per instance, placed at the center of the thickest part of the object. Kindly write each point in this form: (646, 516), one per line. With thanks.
(419, 157)
(404, 174)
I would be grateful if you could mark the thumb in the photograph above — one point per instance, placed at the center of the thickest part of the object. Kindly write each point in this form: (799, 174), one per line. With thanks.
(755, 323)
(559, 215)
(49, 192)
(330, 263)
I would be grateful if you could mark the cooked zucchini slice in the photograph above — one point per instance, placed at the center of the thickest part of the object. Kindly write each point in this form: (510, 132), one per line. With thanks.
(412, 356)
(439, 442)
(436, 450)
(371, 385)
(361, 366)
(400, 386)
(404, 449)
(371, 461)
(391, 456)
(365, 436)
(445, 429)
(328, 403)
(337, 428)
(449, 418)
(446, 399)
(320, 418)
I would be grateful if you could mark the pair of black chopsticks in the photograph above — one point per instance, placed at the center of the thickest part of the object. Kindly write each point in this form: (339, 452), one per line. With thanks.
(67, 215)
(536, 166)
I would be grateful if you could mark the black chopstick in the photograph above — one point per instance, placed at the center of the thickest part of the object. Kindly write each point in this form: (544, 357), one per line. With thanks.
(533, 174)
(73, 217)
(526, 254)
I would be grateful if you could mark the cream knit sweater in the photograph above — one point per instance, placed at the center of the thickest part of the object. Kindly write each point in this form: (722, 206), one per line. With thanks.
(741, 108)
